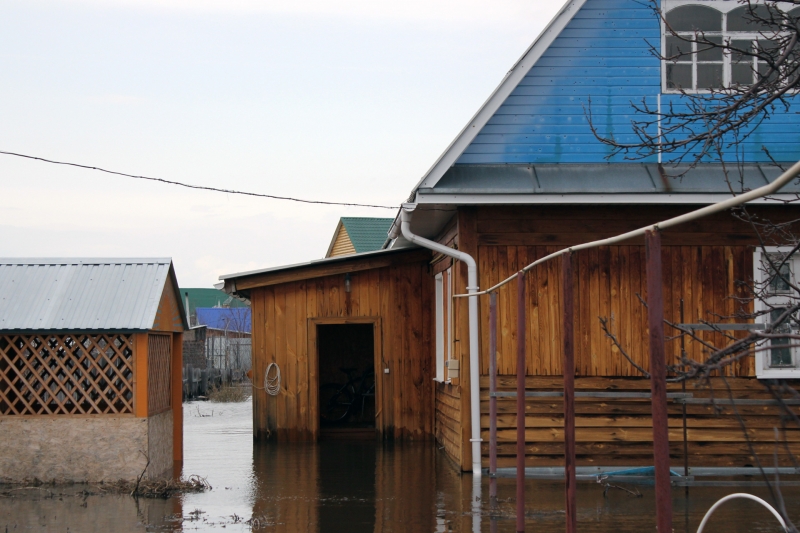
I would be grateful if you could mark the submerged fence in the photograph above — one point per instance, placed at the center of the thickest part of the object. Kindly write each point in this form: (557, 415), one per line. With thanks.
(658, 370)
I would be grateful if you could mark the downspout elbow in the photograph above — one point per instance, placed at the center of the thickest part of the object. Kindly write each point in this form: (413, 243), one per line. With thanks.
(472, 288)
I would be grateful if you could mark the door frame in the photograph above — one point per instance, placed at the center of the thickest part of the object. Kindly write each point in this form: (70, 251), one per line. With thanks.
(377, 362)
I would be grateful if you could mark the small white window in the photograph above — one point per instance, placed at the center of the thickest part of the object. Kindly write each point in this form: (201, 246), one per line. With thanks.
(443, 323)
(776, 276)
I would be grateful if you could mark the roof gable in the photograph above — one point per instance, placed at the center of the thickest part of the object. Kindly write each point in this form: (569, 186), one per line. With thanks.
(594, 56)
(509, 82)
(83, 294)
(357, 235)
(341, 243)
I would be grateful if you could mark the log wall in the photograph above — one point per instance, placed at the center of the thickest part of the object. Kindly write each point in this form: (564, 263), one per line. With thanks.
(705, 263)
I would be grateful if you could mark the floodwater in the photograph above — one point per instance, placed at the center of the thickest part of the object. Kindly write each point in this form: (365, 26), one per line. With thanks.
(355, 487)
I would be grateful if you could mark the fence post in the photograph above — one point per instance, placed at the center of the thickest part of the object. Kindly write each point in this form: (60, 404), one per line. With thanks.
(568, 302)
(658, 381)
(521, 402)
(492, 398)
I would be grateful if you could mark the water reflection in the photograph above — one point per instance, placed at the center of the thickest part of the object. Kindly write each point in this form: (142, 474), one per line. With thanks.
(359, 486)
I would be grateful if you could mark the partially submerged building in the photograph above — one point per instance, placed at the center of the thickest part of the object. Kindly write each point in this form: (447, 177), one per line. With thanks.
(527, 177)
(90, 369)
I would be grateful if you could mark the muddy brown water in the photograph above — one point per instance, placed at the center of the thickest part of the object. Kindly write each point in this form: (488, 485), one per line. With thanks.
(355, 487)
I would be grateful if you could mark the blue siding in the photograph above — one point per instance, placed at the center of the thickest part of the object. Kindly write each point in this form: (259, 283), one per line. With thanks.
(603, 56)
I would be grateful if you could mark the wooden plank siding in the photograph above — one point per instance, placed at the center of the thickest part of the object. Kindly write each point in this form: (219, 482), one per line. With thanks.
(705, 264)
(396, 298)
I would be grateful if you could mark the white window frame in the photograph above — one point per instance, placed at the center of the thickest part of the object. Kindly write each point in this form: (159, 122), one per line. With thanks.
(763, 357)
(724, 7)
(443, 322)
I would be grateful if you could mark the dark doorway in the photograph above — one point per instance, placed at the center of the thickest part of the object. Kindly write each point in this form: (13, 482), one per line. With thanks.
(346, 377)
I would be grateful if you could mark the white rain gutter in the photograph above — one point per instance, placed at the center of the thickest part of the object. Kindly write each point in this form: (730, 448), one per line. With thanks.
(472, 287)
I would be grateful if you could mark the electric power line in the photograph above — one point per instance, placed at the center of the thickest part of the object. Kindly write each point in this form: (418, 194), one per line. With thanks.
(200, 187)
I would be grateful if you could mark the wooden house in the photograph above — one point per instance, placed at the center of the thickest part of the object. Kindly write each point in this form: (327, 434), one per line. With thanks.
(90, 369)
(527, 177)
(357, 235)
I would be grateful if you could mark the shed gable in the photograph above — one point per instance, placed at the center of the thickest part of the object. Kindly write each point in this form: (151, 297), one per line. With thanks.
(168, 314)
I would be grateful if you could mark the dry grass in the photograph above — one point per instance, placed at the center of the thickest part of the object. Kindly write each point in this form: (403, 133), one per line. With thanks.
(229, 394)
(161, 488)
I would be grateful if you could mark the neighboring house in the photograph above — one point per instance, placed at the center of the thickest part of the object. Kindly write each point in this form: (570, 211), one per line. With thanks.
(356, 235)
(227, 336)
(90, 369)
(525, 178)
(194, 298)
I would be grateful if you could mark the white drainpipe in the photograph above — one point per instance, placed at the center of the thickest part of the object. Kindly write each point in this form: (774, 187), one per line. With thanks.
(472, 287)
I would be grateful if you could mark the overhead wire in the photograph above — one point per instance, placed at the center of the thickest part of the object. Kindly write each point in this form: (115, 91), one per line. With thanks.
(199, 187)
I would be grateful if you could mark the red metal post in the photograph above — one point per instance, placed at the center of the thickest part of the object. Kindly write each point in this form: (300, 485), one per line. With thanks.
(492, 398)
(568, 304)
(520, 402)
(658, 381)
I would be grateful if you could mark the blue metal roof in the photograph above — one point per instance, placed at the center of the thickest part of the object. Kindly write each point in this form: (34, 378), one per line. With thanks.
(231, 319)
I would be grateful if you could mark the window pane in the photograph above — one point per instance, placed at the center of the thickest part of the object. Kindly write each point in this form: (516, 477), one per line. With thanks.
(742, 18)
(678, 49)
(779, 283)
(690, 18)
(709, 52)
(679, 76)
(780, 356)
(709, 76)
(741, 74)
(745, 45)
(765, 71)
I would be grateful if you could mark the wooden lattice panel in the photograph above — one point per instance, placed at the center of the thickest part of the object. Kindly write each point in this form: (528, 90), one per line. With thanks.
(159, 391)
(66, 374)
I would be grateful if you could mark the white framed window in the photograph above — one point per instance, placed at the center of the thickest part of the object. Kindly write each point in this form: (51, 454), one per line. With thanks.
(692, 67)
(780, 361)
(444, 319)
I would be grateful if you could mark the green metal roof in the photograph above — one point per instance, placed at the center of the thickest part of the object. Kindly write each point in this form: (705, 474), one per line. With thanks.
(367, 234)
(209, 298)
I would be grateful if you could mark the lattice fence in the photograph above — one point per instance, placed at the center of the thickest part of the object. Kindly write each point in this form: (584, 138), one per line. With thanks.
(159, 393)
(66, 374)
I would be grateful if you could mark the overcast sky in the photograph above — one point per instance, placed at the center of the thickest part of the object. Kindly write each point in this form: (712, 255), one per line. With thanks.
(347, 101)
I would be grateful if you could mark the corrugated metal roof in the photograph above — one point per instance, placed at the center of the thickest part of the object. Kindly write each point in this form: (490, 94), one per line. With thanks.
(235, 320)
(209, 298)
(81, 293)
(367, 234)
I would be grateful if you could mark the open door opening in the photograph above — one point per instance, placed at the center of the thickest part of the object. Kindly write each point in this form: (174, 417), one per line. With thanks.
(346, 379)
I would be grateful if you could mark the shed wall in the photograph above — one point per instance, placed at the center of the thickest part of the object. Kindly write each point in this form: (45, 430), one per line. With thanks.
(398, 298)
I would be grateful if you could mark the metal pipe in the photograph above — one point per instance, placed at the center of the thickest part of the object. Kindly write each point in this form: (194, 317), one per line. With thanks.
(520, 402)
(766, 190)
(568, 303)
(658, 381)
(492, 398)
(474, 360)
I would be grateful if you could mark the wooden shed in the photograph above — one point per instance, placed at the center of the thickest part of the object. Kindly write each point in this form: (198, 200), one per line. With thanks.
(90, 369)
(368, 313)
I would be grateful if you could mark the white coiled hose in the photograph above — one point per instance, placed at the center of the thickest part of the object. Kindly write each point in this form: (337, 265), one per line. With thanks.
(272, 380)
